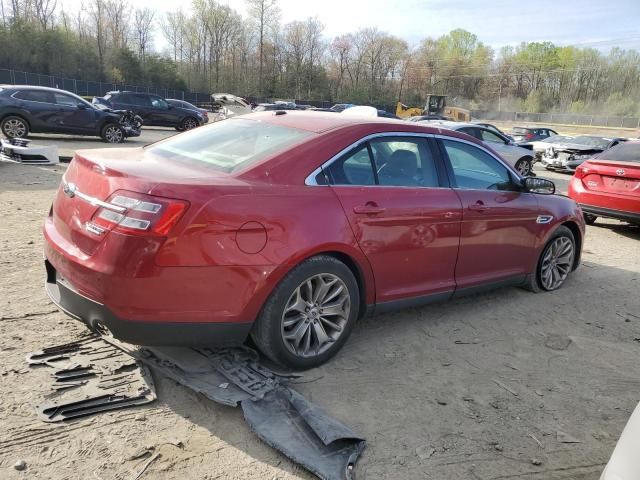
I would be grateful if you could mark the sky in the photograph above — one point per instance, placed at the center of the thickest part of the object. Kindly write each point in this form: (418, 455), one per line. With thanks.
(602, 24)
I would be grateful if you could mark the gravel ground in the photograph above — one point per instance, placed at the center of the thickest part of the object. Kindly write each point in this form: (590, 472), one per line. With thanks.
(507, 384)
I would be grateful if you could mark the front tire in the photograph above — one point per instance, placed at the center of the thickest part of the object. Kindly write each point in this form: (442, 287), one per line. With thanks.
(14, 127)
(555, 262)
(112, 133)
(524, 166)
(309, 315)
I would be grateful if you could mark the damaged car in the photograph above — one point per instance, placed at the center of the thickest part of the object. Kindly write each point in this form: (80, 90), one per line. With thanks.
(289, 227)
(569, 156)
(29, 109)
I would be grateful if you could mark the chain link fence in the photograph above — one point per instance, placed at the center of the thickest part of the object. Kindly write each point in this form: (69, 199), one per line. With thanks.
(86, 88)
(560, 118)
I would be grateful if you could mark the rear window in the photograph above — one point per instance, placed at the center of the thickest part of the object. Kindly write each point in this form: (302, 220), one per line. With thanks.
(623, 152)
(230, 144)
(521, 131)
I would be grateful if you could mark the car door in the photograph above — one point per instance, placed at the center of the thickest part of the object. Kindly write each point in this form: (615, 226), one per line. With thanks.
(74, 115)
(39, 107)
(499, 222)
(142, 107)
(404, 216)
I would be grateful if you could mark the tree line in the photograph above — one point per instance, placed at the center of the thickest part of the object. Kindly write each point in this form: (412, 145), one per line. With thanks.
(212, 47)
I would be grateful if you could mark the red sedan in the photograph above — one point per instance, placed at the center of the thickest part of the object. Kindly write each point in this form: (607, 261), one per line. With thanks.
(608, 185)
(289, 226)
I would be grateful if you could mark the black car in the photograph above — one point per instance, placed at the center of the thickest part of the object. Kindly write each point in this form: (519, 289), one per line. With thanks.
(28, 109)
(154, 110)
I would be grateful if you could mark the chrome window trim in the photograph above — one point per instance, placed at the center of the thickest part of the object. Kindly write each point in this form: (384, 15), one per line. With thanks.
(311, 178)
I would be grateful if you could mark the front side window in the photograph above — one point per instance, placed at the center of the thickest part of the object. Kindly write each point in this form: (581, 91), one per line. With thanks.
(229, 145)
(474, 169)
(65, 100)
(140, 100)
(159, 103)
(487, 136)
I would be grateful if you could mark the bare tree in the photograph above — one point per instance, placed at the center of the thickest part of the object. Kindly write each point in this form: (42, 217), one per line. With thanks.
(263, 12)
(143, 26)
(44, 11)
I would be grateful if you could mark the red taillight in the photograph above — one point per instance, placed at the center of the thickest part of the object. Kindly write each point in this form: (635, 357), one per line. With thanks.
(581, 171)
(142, 215)
(529, 136)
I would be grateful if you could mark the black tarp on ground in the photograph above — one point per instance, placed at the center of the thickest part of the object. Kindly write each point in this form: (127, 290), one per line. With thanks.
(280, 416)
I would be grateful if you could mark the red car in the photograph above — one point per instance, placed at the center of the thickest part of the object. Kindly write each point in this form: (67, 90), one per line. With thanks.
(608, 185)
(289, 226)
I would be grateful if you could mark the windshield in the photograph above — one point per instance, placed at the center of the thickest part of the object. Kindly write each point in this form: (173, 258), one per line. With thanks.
(623, 152)
(230, 144)
(588, 141)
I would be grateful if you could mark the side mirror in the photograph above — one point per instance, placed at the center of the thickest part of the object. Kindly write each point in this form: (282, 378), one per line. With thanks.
(539, 185)
(82, 106)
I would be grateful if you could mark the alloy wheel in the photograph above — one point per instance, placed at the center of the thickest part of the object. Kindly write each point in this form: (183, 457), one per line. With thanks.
(190, 123)
(113, 134)
(556, 263)
(523, 167)
(14, 128)
(316, 315)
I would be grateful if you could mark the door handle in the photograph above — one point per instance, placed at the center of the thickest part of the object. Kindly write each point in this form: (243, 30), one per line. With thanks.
(369, 208)
(478, 207)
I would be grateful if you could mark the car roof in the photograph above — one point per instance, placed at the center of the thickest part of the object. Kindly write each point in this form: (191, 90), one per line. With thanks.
(36, 87)
(320, 122)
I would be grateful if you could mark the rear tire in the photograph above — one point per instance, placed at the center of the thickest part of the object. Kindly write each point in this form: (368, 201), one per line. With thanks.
(112, 133)
(14, 127)
(555, 262)
(189, 123)
(309, 315)
(589, 219)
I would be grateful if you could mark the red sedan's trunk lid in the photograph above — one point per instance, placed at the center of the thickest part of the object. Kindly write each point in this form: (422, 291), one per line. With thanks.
(100, 173)
(95, 174)
(622, 178)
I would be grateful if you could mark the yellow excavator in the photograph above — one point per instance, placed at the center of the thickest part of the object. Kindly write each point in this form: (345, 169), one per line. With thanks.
(436, 105)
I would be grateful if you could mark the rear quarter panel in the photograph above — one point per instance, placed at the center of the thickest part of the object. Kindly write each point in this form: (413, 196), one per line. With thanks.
(259, 225)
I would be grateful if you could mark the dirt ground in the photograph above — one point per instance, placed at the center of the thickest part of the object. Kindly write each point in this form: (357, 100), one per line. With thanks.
(504, 385)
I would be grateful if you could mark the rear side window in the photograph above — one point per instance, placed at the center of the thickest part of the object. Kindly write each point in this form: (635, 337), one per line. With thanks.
(354, 168)
(229, 145)
(34, 96)
(623, 152)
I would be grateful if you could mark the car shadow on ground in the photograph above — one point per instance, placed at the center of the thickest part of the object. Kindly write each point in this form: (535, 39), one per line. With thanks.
(477, 387)
(621, 228)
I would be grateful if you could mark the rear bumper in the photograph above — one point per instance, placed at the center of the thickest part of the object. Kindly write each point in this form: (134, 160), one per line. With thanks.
(631, 217)
(98, 317)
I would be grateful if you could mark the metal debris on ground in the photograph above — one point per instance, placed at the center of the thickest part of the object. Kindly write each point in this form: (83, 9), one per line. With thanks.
(91, 376)
(280, 416)
(18, 150)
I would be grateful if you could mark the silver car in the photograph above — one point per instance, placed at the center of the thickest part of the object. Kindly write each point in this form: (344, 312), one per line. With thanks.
(521, 158)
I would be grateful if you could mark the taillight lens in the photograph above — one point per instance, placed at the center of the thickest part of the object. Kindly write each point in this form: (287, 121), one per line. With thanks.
(581, 171)
(529, 136)
(143, 215)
